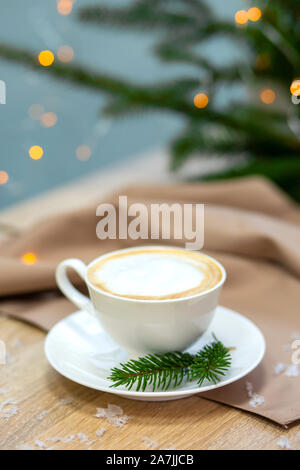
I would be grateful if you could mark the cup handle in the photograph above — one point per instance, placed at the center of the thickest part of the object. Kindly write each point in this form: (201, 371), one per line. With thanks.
(81, 301)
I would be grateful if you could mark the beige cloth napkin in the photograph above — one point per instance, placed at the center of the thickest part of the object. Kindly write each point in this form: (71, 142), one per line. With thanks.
(250, 226)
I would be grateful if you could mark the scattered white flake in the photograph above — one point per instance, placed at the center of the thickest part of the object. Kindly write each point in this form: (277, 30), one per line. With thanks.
(279, 368)
(171, 447)
(83, 437)
(287, 347)
(249, 388)
(42, 415)
(149, 442)
(40, 444)
(100, 432)
(113, 414)
(292, 371)
(4, 391)
(256, 400)
(25, 447)
(9, 412)
(284, 443)
(18, 344)
(61, 439)
(69, 438)
(66, 401)
(90, 443)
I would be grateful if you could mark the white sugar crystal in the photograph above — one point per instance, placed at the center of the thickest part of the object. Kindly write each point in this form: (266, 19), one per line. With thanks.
(8, 358)
(292, 371)
(18, 344)
(83, 437)
(171, 447)
(25, 447)
(66, 401)
(284, 443)
(10, 401)
(256, 400)
(4, 391)
(279, 368)
(114, 414)
(42, 415)
(149, 442)
(100, 432)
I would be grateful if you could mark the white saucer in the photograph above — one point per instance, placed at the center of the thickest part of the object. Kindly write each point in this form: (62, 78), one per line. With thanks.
(78, 348)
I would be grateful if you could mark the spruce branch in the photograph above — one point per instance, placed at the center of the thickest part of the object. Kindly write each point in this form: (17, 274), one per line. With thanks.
(211, 362)
(163, 371)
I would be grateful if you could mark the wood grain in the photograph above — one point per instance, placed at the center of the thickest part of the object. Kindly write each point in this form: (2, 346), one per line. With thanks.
(192, 423)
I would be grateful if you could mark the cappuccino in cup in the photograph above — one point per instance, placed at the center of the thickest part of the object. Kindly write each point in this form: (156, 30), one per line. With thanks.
(155, 274)
(148, 299)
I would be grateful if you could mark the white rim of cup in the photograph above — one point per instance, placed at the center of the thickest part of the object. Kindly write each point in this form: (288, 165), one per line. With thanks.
(143, 247)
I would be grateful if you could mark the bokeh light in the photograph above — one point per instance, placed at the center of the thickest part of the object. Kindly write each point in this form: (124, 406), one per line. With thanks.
(3, 177)
(241, 17)
(49, 119)
(268, 96)
(65, 54)
(83, 153)
(35, 111)
(295, 87)
(36, 152)
(201, 100)
(29, 259)
(254, 14)
(64, 7)
(46, 58)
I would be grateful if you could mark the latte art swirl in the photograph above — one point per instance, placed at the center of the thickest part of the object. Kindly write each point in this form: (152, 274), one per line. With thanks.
(155, 273)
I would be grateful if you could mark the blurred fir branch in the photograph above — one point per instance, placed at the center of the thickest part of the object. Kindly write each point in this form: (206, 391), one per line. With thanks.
(260, 132)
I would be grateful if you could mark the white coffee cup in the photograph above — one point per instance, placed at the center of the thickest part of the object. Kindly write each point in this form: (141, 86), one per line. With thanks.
(143, 326)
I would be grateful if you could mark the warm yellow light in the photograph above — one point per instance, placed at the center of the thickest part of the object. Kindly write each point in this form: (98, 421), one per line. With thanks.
(46, 58)
(49, 119)
(268, 96)
(295, 87)
(254, 14)
(35, 111)
(64, 7)
(29, 259)
(3, 177)
(201, 100)
(36, 152)
(83, 153)
(65, 54)
(241, 17)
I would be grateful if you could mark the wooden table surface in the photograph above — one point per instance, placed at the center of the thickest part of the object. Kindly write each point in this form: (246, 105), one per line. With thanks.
(192, 423)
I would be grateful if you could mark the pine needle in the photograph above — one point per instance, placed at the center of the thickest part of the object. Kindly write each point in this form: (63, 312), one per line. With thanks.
(165, 371)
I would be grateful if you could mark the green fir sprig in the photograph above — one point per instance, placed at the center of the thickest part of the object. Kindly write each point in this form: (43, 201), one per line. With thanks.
(164, 371)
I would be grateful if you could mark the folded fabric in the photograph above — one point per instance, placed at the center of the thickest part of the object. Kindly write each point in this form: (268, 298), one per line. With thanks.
(250, 226)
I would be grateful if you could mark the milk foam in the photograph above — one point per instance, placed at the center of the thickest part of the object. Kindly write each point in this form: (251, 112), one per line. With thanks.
(148, 275)
(155, 273)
